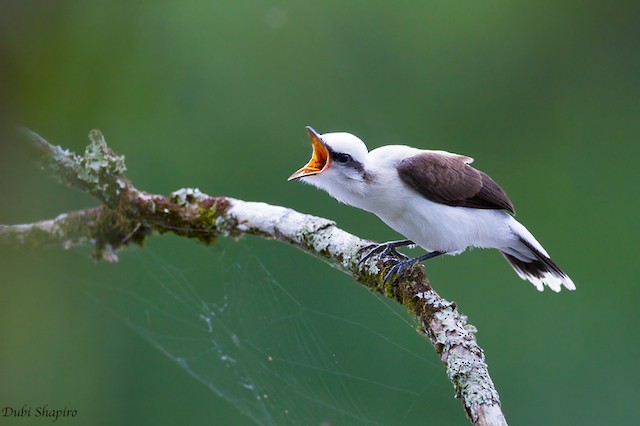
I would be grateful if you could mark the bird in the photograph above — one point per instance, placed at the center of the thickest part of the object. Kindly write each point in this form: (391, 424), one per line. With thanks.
(434, 198)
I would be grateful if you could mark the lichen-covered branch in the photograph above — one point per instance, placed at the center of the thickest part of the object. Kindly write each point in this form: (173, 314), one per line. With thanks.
(129, 215)
(99, 172)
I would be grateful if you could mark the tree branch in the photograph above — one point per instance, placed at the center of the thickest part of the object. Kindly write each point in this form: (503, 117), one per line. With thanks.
(129, 215)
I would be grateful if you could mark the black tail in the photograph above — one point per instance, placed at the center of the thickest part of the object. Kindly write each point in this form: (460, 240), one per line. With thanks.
(539, 269)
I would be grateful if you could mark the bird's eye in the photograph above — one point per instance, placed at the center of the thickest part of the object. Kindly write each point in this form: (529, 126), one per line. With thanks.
(342, 158)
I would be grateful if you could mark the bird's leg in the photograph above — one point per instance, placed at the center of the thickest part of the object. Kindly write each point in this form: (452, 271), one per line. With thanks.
(402, 266)
(385, 249)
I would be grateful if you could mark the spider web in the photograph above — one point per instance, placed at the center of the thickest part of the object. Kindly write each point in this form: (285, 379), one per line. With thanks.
(286, 350)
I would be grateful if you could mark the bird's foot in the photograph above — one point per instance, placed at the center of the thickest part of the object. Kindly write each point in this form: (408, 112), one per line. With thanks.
(404, 265)
(386, 250)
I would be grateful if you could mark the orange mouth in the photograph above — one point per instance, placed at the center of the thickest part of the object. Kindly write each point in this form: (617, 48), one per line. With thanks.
(319, 159)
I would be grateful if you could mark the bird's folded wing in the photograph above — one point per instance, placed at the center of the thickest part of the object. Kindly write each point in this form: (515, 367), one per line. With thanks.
(448, 179)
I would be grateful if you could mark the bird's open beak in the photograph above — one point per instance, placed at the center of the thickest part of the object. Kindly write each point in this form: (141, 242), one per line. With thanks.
(319, 159)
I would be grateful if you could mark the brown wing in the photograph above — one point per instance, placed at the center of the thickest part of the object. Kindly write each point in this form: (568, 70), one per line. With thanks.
(447, 179)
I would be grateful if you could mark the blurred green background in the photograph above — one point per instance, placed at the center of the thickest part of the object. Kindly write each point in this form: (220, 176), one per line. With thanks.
(215, 94)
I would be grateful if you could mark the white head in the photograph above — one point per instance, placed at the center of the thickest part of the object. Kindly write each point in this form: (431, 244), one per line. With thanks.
(337, 165)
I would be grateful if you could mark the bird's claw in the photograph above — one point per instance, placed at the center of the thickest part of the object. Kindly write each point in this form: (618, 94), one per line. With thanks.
(403, 265)
(398, 269)
(387, 252)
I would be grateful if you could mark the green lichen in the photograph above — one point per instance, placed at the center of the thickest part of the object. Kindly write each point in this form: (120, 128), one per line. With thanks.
(193, 214)
(465, 361)
(209, 216)
(206, 218)
(100, 169)
(446, 317)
